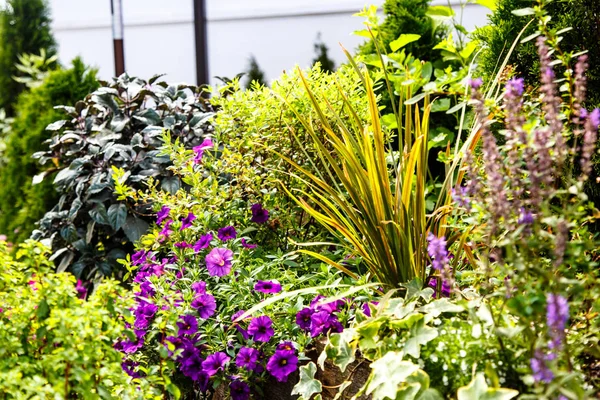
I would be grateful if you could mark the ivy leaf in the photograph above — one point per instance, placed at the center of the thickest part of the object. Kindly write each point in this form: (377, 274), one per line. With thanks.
(443, 305)
(307, 385)
(478, 389)
(387, 374)
(117, 214)
(341, 348)
(420, 334)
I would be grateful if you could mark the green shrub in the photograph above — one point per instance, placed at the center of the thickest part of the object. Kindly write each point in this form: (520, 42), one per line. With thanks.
(254, 74)
(118, 125)
(322, 56)
(24, 29)
(21, 203)
(53, 343)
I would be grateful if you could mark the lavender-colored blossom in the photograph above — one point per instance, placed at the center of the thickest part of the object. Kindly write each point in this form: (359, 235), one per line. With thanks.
(516, 137)
(218, 261)
(525, 217)
(203, 242)
(146, 290)
(227, 233)
(539, 367)
(461, 197)
(199, 287)
(187, 221)
(215, 362)
(247, 358)
(239, 390)
(205, 305)
(162, 214)
(267, 286)
(261, 329)
(188, 325)
(259, 214)
(248, 246)
(560, 242)
(131, 346)
(445, 287)
(303, 318)
(557, 315)
(475, 83)
(438, 252)
(282, 364)
(143, 314)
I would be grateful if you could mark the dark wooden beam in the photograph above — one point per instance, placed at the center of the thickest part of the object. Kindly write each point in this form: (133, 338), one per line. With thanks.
(116, 11)
(200, 35)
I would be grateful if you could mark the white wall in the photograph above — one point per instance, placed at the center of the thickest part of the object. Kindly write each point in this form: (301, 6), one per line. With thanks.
(159, 34)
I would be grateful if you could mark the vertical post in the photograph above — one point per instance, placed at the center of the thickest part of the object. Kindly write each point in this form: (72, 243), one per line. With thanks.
(117, 31)
(200, 35)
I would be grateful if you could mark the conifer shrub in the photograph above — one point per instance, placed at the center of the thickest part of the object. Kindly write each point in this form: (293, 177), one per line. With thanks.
(21, 202)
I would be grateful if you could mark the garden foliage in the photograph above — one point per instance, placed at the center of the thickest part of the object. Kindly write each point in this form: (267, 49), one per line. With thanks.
(23, 203)
(322, 56)
(24, 29)
(56, 344)
(118, 125)
(254, 74)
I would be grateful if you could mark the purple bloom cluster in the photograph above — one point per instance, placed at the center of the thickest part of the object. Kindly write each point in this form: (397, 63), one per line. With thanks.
(540, 369)
(438, 252)
(205, 305)
(259, 214)
(162, 214)
(557, 315)
(320, 318)
(203, 242)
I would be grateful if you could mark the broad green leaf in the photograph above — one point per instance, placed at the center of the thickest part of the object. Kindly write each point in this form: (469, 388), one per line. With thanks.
(420, 334)
(403, 40)
(99, 214)
(307, 384)
(478, 389)
(491, 4)
(388, 374)
(134, 228)
(341, 349)
(43, 310)
(435, 308)
(117, 214)
(524, 11)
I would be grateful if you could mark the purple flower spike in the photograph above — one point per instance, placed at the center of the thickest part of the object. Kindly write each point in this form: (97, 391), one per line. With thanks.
(476, 83)
(203, 242)
(239, 390)
(282, 364)
(267, 287)
(162, 214)
(188, 325)
(247, 358)
(187, 221)
(218, 261)
(515, 87)
(541, 372)
(215, 363)
(557, 315)
(227, 233)
(205, 305)
(259, 214)
(437, 251)
(261, 329)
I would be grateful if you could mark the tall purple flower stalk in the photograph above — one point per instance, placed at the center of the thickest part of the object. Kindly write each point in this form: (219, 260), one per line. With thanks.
(590, 137)
(557, 315)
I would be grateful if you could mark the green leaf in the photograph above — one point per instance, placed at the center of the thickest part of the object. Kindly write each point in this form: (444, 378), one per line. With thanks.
(415, 99)
(134, 228)
(440, 105)
(99, 214)
(420, 334)
(341, 348)
(117, 214)
(387, 374)
(43, 310)
(478, 389)
(307, 385)
(490, 4)
(403, 40)
(435, 308)
(174, 390)
(524, 11)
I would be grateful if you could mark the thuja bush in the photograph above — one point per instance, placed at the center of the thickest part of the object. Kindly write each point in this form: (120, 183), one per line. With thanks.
(24, 29)
(53, 342)
(23, 203)
(205, 281)
(117, 125)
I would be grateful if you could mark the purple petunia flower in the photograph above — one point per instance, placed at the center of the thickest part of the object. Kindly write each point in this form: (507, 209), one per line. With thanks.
(203, 242)
(218, 261)
(239, 390)
(131, 346)
(188, 325)
(286, 345)
(237, 324)
(128, 366)
(248, 246)
(227, 233)
(162, 214)
(199, 287)
(199, 150)
(282, 364)
(81, 290)
(187, 221)
(267, 287)
(183, 245)
(215, 363)
(247, 358)
(143, 314)
(205, 305)
(322, 322)
(192, 367)
(139, 257)
(303, 318)
(166, 231)
(146, 290)
(259, 214)
(261, 328)
(366, 309)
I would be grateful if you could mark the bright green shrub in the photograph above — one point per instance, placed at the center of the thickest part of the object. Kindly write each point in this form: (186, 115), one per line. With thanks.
(54, 344)
(24, 29)
(21, 202)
